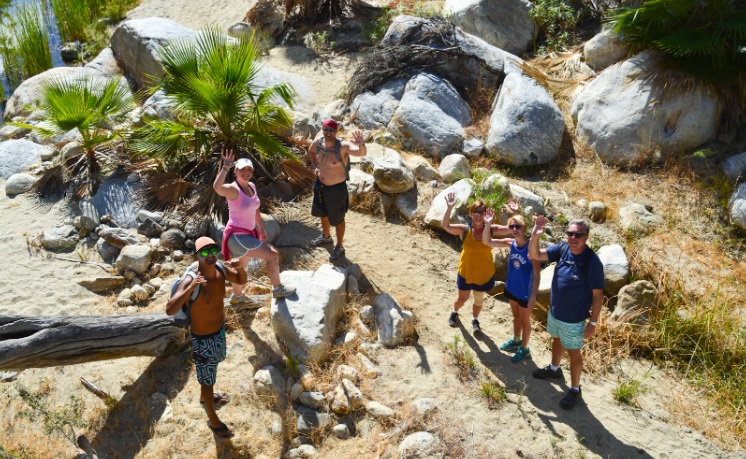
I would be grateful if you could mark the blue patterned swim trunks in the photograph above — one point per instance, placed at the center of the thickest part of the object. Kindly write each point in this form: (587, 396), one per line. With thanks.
(209, 351)
(570, 334)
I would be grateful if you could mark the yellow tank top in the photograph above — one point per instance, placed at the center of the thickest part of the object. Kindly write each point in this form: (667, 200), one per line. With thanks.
(476, 265)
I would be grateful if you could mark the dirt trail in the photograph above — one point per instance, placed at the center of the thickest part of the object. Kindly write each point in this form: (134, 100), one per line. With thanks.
(419, 271)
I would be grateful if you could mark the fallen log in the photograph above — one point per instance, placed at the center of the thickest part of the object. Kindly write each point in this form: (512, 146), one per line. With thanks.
(47, 341)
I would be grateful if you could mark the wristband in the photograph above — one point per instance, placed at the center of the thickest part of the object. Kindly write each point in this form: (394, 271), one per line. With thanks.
(593, 323)
(226, 168)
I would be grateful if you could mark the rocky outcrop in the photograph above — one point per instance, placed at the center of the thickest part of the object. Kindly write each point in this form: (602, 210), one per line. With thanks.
(505, 24)
(374, 110)
(629, 120)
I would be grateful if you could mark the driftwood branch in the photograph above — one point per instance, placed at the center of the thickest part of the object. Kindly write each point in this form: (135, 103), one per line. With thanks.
(47, 341)
(92, 388)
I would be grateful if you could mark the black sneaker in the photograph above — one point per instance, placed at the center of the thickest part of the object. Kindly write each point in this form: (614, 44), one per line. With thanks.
(337, 252)
(571, 398)
(547, 372)
(321, 240)
(453, 319)
(475, 326)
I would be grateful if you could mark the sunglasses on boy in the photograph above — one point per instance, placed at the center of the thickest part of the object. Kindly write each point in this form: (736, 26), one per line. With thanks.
(204, 253)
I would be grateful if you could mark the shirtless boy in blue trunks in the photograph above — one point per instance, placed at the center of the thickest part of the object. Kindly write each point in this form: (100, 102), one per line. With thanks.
(207, 321)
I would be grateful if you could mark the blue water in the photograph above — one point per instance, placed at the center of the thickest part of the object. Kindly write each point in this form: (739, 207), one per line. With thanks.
(54, 43)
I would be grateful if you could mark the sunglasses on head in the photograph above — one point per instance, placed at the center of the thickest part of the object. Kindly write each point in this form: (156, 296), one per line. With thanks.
(574, 234)
(208, 251)
(516, 226)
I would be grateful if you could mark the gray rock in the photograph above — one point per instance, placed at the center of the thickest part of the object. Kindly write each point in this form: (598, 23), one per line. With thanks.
(527, 199)
(627, 120)
(616, 267)
(139, 293)
(117, 197)
(354, 395)
(239, 30)
(504, 24)
(422, 169)
(108, 252)
(369, 368)
(135, 258)
(638, 219)
(526, 125)
(635, 302)
(419, 445)
(353, 288)
(597, 211)
(310, 420)
(391, 173)
(270, 384)
(9, 132)
(394, 324)
(272, 227)
(374, 110)
(737, 208)
(301, 452)
(313, 400)
(71, 149)
(173, 238)
(17, 155)
(472, 148)
(106, 64)
(340, 403)
(136, 41)
(8, 376)
(306, 322)
(19, 183)
(196, 228)
(69, 51)
(150, 229)
(454, 167)
(360, 186)
(143, 215)
(431, 116)
(102, 284)
(118, 237)
(406, 204)
(605, 49)
(89, 216)
(423, 406)
(463, 189)
(341, 431)
(367, 314)
(734, 167)
(379, 410)
(159, 106)
(61, 238)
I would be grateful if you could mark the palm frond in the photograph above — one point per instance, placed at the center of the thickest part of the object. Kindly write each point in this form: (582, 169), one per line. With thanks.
(163, 190)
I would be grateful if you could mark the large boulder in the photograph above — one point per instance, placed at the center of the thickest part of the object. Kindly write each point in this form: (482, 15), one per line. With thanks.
(391, 173)
(117, 197)
(135, 43)
(526, 125)
(505, 24)
(616, 267)
(737, 207)
(135, 258)
(527, 199)
(637, 218)
(734, 167)
(306, 322)
(462, 189)
(479, 64)
(106, 64)
(628, 119)
(374, 110)
(431, 116)
(158, 106)
(268, 76)
(359, 186)
(27, 97)
(454, 168)
(394, 324)
(635, 303)
(17, 155)
(604, 49)
(422, 168)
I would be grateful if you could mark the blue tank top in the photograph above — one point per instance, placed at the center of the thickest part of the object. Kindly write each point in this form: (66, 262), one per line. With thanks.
(520, 279)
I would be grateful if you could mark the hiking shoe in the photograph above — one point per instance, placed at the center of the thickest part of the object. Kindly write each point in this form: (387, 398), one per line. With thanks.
(281, 291)
(320, 240)
(240, 299)
(336, 253)
(520, 354)
(510, 344)
(571, 398)
(475, 326)
(547, 372)
(453, 319)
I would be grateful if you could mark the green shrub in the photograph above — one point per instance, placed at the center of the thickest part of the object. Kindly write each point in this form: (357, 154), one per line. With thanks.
(627, 391)
(556, 21)
(24, 44)
(376, 29)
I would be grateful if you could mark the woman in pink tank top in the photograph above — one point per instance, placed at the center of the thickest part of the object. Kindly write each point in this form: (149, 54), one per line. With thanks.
(244, 236)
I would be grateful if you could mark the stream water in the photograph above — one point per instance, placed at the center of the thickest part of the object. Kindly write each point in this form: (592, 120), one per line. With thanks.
(55, 43)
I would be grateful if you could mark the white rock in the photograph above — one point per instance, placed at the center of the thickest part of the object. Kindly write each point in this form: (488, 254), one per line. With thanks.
(379, 410)
(19, 183)
(616, 267)
(454, 167)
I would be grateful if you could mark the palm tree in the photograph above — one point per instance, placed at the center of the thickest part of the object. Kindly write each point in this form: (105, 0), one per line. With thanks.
(211, 82)
(95, 107)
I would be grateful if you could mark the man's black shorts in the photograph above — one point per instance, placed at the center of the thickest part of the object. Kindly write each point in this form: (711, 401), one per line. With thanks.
(330, 201)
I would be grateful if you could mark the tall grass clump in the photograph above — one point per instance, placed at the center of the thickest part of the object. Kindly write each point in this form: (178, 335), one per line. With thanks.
(24, 44)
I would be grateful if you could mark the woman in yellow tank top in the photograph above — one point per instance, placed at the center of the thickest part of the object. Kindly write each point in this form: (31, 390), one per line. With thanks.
(476, 268)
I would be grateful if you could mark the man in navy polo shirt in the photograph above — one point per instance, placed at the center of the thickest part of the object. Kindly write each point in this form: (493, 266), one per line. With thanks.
(577, 294)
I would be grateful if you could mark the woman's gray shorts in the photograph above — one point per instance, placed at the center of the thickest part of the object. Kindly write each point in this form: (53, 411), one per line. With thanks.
(239, 244)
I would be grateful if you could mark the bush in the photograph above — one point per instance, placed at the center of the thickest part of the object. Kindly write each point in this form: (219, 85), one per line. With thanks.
(556, 20)
(24, 44)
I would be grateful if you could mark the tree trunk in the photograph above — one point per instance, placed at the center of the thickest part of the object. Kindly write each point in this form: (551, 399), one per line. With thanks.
(47, 341)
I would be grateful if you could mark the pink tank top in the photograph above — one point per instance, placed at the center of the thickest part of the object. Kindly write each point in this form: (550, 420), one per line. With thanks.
(242, 211)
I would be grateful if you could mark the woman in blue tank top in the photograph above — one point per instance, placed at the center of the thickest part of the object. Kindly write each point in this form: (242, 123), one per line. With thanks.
(522, 283)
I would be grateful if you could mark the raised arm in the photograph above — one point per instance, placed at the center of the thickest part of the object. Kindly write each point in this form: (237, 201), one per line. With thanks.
(534, 252)
(446, 224)
(227, 160)
(489, 216)
(234, 273)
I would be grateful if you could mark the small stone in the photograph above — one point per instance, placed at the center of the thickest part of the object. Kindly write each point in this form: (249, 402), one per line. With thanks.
(341, 431)
(367, 314)
(340, 402)
(423, 406)
(133, 178)
(356, 398)
(379, 410)
(178, 255)
(346, 372)
(313, 399)
(371, 370)
(295, 391)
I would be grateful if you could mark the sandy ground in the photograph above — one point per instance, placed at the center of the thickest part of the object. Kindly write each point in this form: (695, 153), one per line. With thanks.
(157, 414)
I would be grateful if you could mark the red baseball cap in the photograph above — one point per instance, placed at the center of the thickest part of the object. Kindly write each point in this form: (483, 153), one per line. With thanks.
(330, 123)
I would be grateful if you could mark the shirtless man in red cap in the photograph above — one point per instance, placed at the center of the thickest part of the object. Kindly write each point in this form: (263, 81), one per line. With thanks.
(207, 322)
(330, 158)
